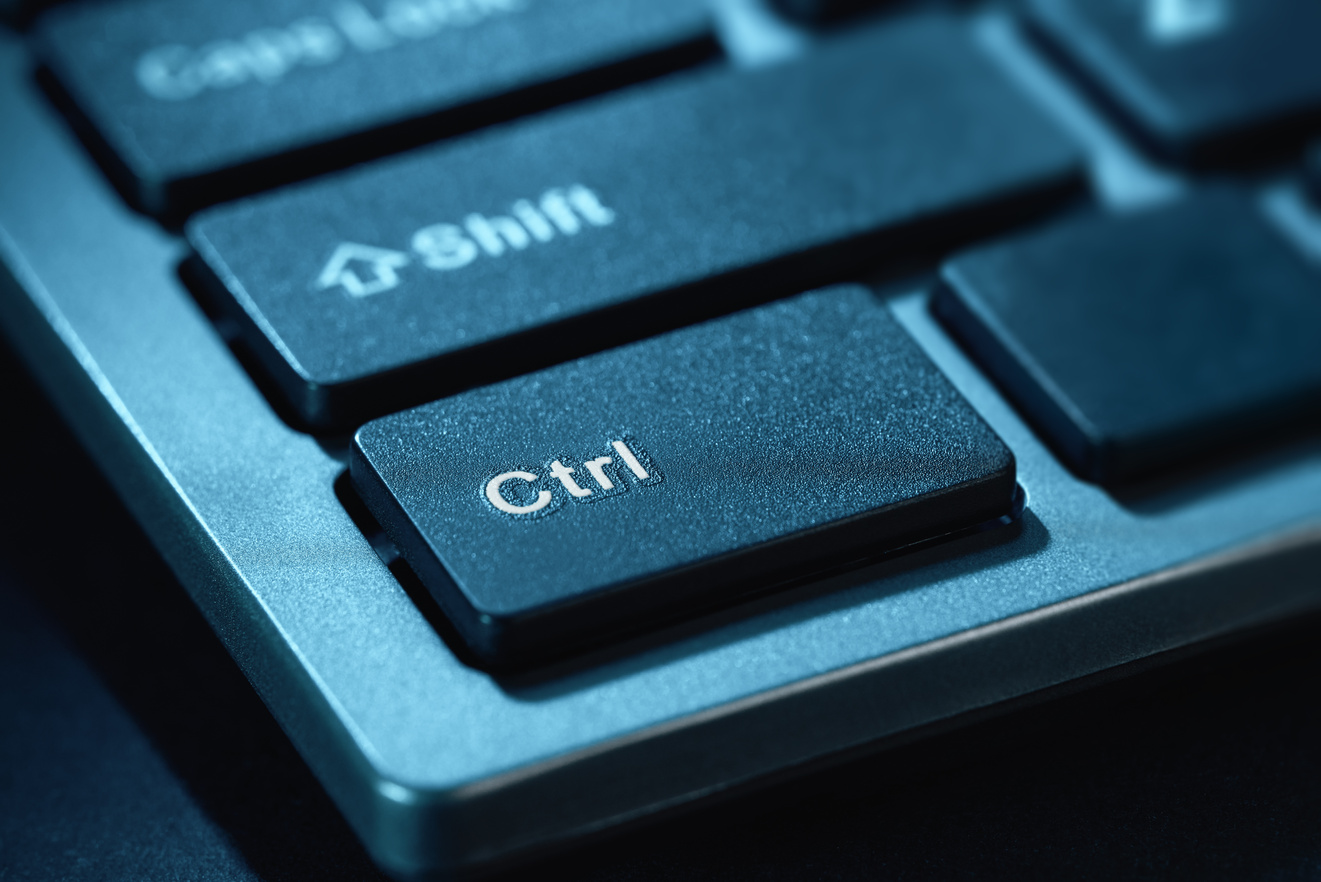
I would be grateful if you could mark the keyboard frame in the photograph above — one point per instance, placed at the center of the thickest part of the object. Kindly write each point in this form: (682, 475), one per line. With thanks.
(439, 766)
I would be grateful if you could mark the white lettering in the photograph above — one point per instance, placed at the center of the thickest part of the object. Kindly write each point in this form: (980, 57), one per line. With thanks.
(318, 42)
(411, 19)
(363, 31)
(379, 269)
(609, 486)
(557, 208)
(224, 65)
(362, 269)
(496, 497)
(164, 73)
(630, 460)
(267, 55)
(270, 53)
(559, 470)
(590, 207)
(493, 232)
(458, 13)
(596, 467)
(444, 247)
(533, 220)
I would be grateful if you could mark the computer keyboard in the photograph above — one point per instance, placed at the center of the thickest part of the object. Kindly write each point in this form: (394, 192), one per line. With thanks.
(778, 529)
(826, 437)
(476, 259)
(332, 83)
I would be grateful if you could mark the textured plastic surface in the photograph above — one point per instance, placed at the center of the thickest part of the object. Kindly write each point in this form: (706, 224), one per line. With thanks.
(196, 101)
(1198, 81)
(780, 438)
(758, 183)
(1142, 342)
(437, 765)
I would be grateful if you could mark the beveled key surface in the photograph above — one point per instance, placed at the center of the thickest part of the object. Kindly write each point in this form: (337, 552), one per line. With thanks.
(1201, 81)
(476, 260)
(193, 101)
(665, 476)
(1143, 342)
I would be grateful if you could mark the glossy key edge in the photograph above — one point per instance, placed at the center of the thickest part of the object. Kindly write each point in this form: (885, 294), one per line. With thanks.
(1039, 400)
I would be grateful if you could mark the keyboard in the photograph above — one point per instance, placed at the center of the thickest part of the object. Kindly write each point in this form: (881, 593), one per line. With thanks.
(570, 412)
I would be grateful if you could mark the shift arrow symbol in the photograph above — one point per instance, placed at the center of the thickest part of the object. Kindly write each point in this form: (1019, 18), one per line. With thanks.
(378, 267)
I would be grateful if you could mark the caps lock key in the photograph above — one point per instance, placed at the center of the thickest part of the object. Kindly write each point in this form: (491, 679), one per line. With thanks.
(192, 102)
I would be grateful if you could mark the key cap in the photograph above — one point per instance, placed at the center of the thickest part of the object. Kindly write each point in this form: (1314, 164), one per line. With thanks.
(513, 249)
(1135, 344)
(1200, 81)
(637, 484)
(193, 101)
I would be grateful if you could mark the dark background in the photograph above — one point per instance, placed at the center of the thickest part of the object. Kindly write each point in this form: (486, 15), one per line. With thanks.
(132, 748)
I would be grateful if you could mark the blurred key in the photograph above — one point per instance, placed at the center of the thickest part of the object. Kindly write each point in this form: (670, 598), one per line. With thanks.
(1138, 343)
(193, 101)
(1201, 81)
(662, 477)
(517, 248)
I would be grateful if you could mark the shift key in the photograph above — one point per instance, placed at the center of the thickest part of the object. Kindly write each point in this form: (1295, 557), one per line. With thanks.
(521, 247)
(632, 486)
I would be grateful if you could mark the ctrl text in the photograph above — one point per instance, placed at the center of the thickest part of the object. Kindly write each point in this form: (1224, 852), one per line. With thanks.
(524, 493)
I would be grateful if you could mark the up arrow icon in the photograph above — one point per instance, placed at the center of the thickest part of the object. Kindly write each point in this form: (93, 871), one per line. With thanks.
(362, 270)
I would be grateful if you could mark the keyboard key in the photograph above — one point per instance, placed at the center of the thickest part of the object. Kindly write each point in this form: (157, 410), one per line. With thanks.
(1202, 81)
(193, 102)
(636, 484)
(476, 260)
(1137, 343)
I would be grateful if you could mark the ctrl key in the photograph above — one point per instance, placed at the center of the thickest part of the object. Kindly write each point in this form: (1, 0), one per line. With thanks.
(642, 483)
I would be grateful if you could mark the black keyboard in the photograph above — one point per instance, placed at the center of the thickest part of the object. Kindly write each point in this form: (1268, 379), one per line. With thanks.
(568, 410)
